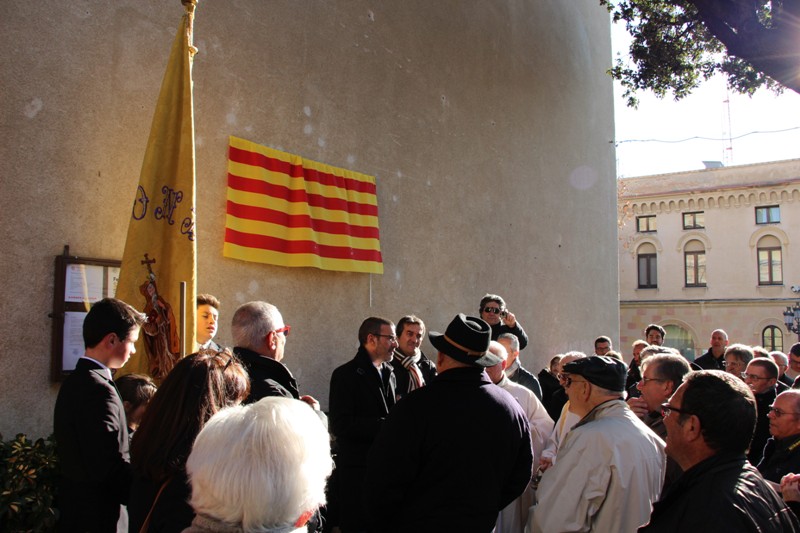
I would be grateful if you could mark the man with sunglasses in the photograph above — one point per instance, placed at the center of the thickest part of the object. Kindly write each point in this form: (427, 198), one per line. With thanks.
(259, 335)
(710, 421)
(494, 312)
(782, 451)
(761, 375)
(610, 467)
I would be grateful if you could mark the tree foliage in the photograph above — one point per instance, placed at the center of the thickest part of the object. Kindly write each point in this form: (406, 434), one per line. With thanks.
(677, 44)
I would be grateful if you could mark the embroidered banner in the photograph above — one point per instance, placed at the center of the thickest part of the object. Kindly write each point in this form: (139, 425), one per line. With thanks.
(288, 211)
(160, 250)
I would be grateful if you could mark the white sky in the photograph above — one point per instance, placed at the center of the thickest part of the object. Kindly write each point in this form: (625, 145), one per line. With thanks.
(702, 114)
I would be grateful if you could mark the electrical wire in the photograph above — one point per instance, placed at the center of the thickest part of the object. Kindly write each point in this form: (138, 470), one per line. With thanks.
(617, 143)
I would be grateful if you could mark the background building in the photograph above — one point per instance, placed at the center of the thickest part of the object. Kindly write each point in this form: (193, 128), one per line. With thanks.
(487, 125)
(710, 249)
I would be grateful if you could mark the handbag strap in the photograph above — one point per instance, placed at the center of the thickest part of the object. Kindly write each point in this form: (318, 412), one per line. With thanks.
(146, 523)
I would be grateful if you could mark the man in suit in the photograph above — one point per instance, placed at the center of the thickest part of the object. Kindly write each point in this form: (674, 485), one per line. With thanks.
(429, 467)
(411, 368)
(260, 334)
(89, 422)
(362, 393)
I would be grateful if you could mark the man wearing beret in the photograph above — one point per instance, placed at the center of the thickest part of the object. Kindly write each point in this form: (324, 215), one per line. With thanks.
(428, 469)
(610, 467)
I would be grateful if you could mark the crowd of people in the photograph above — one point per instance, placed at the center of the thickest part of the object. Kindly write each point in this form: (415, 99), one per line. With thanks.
(466, 440)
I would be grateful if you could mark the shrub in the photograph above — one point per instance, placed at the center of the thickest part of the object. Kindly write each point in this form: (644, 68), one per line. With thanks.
(29, 478)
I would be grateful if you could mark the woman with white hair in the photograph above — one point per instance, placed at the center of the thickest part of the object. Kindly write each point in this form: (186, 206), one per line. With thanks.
(259, 468)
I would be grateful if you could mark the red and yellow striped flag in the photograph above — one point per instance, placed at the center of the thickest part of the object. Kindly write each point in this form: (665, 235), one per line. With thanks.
(288, 211)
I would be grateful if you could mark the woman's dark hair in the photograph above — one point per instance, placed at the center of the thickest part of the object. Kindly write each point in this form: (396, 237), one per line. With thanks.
(200, 385)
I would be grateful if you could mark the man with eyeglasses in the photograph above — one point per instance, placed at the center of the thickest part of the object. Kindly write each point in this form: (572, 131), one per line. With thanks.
(710, 421)
(610, 468)
(737, 357)
(761, 376)
(662, 373)
(782, 452)
(494, 312)
(361, 395)
(259, 335)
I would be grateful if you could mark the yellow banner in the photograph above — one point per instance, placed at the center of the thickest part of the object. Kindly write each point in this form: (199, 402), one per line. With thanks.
(160, 251)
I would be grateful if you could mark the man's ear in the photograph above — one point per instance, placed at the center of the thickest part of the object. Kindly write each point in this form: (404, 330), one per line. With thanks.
(692, 429)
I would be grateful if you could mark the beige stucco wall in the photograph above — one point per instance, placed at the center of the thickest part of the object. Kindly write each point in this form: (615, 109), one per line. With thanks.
(733, 300)
(487, 125)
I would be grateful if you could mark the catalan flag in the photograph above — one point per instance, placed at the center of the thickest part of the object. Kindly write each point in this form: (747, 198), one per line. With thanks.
(289, 211)
(160, 251)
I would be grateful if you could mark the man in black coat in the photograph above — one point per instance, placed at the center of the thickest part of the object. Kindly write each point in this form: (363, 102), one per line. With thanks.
(428, 469)
(714, 358)
(719, 489)
(259, 334)
(495, 313)
(89, 423)
(782, 451)
(362, 393)
(761, 375)
(412, 369)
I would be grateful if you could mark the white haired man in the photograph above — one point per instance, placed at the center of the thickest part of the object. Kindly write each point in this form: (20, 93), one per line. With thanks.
(513, 518)
(259, 334)
(259, 467)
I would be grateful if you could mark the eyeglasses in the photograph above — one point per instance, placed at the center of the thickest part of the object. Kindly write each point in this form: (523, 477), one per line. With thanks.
(285, 330)
(568, 380)
(779, 413)
(646, 380)
(752, 376)
(666, 409)
(392, 338)
(492, 310)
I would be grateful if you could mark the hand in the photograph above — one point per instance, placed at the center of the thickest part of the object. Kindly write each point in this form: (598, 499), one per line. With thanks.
(545, 463)
(790, 487)
(310, 401)
(510, 320)
(639, 407)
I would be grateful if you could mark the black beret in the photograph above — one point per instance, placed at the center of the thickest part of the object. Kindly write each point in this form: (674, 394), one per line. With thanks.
(603, 371)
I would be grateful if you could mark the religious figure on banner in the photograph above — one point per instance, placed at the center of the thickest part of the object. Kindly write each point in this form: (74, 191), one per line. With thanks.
(162, 343)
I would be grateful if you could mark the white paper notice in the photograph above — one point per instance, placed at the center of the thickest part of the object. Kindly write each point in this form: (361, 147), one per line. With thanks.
(73, 339)
(84, 283)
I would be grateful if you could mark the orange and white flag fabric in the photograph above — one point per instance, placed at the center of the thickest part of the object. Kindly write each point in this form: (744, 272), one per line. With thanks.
(285, 210)
(161, 251)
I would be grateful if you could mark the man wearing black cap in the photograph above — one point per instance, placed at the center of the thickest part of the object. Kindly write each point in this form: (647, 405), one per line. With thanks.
(427, 470)
(610, 467)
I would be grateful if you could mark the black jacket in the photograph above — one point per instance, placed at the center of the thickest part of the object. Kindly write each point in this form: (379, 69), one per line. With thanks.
(500, 328)
(781, 457)
(527, 380)
(429, 470)
(707, 361)
(92, 449)
(721, 493)
(761, 433)
(268, 377)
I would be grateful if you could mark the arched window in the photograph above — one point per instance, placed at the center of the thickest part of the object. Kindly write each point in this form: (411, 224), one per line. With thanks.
(681, 340)
(770, 262)
(772, 338)
(694, 262)
(647, 261)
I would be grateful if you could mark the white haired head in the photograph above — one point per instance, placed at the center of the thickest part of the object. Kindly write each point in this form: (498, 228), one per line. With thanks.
(262, 465)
